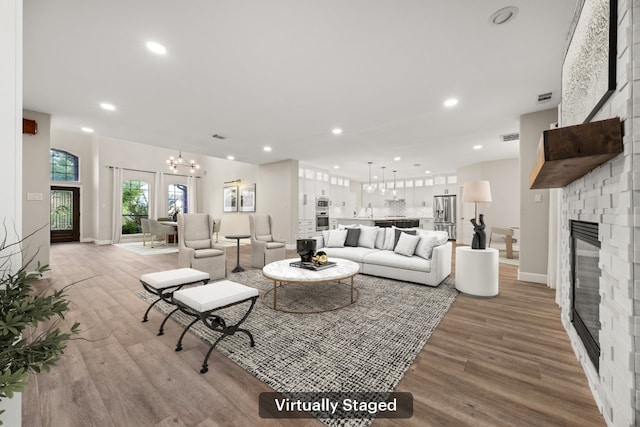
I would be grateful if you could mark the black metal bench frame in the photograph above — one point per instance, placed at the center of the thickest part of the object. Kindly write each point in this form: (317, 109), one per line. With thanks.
(166, 295)
(215, 323)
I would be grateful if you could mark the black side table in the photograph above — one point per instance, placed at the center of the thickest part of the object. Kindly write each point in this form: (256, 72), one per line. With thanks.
(238, 269)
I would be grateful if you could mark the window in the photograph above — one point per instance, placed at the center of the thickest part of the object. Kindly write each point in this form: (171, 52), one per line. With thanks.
(64, 166)
(135, 205)
(177, 200)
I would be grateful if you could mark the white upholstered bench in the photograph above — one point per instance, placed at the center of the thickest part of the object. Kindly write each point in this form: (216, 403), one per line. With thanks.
(202, 301)
(165, 283)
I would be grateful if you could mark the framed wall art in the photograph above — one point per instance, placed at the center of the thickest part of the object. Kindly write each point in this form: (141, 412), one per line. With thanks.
(248, 198)
(589, 66)
(230, 199)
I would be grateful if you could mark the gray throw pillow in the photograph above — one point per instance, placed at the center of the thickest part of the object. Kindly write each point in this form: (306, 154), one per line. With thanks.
(352, 237)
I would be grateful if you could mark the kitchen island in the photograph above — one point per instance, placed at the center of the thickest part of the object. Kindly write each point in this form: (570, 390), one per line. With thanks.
(397, 221)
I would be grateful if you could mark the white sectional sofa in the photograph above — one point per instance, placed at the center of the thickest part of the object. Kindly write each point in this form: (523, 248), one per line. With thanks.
(380, 252)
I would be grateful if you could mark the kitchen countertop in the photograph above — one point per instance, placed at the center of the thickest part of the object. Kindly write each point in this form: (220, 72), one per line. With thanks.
(384, 218)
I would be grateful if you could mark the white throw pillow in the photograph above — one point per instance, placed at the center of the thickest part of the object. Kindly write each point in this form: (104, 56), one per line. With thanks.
(428, 241)
(380, 238)
(368, 235)
(325, 238)
(389, 239)
(337, 238)
(407, 244)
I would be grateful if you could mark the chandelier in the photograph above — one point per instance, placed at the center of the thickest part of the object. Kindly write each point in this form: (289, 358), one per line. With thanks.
(369, 188)
(175, 163)
(383, 189)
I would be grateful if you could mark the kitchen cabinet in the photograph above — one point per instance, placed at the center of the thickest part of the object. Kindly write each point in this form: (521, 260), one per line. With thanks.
(445, 185)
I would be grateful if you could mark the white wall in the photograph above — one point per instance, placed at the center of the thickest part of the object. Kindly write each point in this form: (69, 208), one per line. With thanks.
(278, 196)
(11, 148)
(35, 182)
(534, 216)
(504, 210)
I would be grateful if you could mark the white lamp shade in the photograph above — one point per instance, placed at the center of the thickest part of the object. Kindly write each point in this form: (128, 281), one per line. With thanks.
(476, 192)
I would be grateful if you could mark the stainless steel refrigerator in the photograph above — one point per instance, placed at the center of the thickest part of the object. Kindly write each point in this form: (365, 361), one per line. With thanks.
(444, 214)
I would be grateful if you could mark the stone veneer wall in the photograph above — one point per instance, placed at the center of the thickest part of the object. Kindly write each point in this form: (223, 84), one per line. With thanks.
(609, 196)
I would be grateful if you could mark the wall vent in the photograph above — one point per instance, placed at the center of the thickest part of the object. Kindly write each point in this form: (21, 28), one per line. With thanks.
(216, 136)
(544, 97)
(510, 137)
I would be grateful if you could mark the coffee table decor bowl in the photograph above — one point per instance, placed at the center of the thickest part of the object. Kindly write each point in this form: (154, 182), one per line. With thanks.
(296, 275)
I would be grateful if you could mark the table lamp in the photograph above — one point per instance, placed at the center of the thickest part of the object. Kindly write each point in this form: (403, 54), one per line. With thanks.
(477, 192)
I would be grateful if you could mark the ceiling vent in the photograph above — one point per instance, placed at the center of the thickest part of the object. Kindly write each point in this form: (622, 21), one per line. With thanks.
(510, 137)
(544, 97)
(220, 137)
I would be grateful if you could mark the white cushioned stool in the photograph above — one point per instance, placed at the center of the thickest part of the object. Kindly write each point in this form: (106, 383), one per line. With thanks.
(165, 283)
(202, 301)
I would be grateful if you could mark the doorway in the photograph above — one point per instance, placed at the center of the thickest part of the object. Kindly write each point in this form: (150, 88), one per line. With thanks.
(65, 214)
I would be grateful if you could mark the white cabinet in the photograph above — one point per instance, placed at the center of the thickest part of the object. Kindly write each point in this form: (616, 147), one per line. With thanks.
(445, 184)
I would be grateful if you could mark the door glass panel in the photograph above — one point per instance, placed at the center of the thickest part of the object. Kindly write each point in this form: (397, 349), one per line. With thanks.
(61, 210)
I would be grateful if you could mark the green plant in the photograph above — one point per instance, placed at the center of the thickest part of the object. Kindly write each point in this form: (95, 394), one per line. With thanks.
(31, 338)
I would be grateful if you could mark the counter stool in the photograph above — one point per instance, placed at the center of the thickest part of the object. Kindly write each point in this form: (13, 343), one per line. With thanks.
(165, 283)
(202, 301)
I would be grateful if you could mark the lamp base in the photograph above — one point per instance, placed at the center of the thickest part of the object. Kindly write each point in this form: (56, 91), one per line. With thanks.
(479, 237)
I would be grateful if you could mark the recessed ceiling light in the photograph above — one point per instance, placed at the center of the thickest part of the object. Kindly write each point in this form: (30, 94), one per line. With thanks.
(87, 130)
(451, 102)
(230, 158)
(336, 167)
(337, 131)
(396, 158)
(267, 148)
(156, 48)
(504, 15)
(477, 147)
(107, 106)
(427, 172)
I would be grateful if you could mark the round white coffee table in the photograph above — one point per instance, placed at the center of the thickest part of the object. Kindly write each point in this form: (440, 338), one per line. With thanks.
(281, 272)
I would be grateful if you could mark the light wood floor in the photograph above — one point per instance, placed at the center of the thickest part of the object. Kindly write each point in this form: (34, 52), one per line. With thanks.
(503, 361)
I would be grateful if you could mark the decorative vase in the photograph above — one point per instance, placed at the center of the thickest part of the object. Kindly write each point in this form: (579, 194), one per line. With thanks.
(306, 248)
(480, 237)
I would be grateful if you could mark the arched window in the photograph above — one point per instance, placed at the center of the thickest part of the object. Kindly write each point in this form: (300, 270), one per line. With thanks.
(64, 166)
(178, 200)
(135, 205)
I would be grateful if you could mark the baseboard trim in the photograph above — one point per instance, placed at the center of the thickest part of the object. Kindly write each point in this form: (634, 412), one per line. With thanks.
(102, 242)
(532, 277)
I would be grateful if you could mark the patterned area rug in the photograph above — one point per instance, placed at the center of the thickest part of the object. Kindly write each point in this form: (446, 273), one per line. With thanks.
(365, 347)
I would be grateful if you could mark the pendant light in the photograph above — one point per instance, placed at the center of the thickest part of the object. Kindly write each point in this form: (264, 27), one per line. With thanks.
(394, 193)
(383, 189)
(369, 188)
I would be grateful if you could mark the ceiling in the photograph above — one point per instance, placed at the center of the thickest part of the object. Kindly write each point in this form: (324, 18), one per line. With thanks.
(285, 73)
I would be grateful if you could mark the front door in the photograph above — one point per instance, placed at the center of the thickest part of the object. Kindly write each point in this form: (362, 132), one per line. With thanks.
(65, 214)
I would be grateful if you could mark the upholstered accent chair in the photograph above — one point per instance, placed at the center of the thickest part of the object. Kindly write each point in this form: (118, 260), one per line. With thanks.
(196, 246)
(264, 248)
(162, 231)
(144, 223)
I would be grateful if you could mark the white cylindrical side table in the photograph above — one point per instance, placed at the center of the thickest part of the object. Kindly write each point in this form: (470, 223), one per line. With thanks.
(477, 271)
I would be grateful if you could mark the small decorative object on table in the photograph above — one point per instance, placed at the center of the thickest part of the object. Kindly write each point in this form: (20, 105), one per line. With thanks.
(480, 237)
(320, 258)
(306, 248)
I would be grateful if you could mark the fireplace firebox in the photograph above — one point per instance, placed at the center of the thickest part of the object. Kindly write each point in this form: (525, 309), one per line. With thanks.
(585, 295)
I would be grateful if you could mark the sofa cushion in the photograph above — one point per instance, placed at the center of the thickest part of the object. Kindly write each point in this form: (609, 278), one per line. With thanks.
(425, 246)
(274, 245)
(406, 244)
(356, 254)
(336, 238)
(398, 232)
(380, 238)
(198, 244)
(389, 239)
(264, 237)
(394, 260)
(368, 236)
(352, 237)
(206, 253)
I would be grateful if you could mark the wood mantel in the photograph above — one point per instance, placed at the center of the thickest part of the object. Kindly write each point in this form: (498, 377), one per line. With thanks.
(568, 153)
